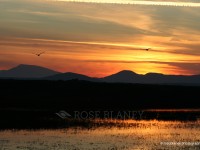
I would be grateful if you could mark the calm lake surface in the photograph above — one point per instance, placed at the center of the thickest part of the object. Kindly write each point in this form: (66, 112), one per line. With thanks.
(124, 135)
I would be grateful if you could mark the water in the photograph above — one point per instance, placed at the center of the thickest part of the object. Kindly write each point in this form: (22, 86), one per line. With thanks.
(122, 135)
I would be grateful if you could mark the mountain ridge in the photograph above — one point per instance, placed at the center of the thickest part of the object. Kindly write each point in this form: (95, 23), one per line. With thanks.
(125, 76)
(70, 76)
(27, 71)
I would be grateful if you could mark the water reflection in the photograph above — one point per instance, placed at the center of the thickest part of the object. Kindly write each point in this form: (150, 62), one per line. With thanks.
(122, 135)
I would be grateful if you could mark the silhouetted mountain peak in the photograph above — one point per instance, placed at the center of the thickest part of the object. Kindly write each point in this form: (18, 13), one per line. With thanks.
(124, 73)
(122, 76)
(27, 71)
(70, 76)
(127, 72)
(25, 65)
(29, 67)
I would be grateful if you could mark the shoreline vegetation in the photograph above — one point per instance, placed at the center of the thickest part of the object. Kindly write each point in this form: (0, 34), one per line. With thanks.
(33, 104)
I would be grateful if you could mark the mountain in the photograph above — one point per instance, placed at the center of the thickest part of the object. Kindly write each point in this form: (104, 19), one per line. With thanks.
(152, 78)
(27, 71)
(71, 76)
(125, 76)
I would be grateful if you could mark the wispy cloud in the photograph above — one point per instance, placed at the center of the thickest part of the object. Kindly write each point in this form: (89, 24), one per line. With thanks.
(101, 39)
(85, 47)
(181, 67)
(136, 2)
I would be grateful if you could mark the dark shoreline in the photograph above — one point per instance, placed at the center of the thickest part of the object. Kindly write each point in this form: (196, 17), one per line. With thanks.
(32, 104)
(49, 120)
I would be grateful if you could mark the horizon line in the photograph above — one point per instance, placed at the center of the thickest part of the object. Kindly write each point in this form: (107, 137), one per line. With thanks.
(103, 76)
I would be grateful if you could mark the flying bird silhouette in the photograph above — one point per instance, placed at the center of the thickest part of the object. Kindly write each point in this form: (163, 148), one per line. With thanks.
(147, 49)
(38, 54)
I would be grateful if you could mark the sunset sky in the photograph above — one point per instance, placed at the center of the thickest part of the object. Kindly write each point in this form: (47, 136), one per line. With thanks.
(101, 38)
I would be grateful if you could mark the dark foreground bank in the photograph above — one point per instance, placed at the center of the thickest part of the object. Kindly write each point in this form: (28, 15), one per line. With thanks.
(33, 104)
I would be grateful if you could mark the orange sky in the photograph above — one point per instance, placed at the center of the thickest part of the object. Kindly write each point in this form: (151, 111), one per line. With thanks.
(100, 39)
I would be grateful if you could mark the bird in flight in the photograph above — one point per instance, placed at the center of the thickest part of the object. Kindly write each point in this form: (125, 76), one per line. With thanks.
(147, 49)
(38, 54)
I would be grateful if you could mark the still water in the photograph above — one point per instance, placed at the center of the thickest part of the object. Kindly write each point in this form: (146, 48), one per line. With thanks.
(122, 135)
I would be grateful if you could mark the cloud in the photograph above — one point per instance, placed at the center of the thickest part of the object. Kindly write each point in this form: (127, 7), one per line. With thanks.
(89, 22)
(105, 32)
(136, 2)
(187, 68)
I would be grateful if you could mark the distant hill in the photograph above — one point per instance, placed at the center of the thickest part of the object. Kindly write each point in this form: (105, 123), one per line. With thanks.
(125, 76)
(27, 71)
(152, 78)
(71, 76)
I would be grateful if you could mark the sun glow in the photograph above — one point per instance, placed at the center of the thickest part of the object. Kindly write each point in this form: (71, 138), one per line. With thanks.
(97, 40)
(108, 58)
